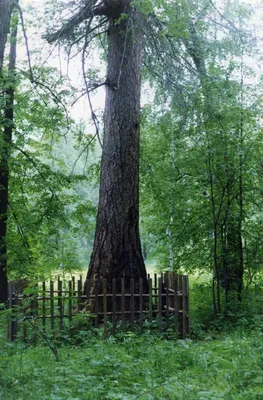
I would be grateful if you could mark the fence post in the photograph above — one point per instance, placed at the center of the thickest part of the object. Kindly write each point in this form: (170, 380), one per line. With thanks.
(105, 306)
(79, 294)
(123, 303)
(160, 281)
(184, 305)
(9, 306)
(150, 300)
(60, 304)
(96, 305)
(176, 301)
(132, 303)
(113, 306)
(187, 305)
(70, 294)
(13, 325)
(44, 306)
(167, 299)
(24, 323)
(52, 306)
(141, 303)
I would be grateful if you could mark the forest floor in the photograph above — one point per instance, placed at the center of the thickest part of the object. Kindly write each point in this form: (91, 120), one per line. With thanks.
(131, 366)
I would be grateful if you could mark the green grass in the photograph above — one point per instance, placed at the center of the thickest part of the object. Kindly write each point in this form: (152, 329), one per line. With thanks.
(133, 367)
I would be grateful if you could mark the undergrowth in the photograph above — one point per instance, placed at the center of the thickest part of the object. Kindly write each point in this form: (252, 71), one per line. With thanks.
(136, 367)
(223, 359)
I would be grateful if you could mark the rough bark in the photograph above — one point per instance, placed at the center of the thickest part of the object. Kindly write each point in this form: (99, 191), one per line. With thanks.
(5, 141)
(5, 14)
(117, 250)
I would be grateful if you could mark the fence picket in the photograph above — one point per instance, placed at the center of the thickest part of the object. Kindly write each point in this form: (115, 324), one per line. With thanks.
(150, 300)
(187, 305)
(123, 303)
(160, 303)
(184, 304)
(176, 304)
(105, 306)
(79, 295)
(52, 319)
(70, 294)
(44, 306)
(167, 298)
(132, 304)
(141, 303)
(60, 303)
(113, 306)
(96, 306)
(73, 285)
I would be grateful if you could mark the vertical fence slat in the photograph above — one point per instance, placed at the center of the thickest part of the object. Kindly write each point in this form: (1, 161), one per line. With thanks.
(96, 305)
(15, 321)
(12, 326)
(180, 302)
(167, 299)
(36, 299)
(155, 283)
(150, 305)
(160, 304)
(132, 303)
(141, 302)
(44, 306)
(155, 280)
(23, 309)
(176, 305)
(60, 303)
(9, 327)
(87, 307)
(34, 302)
(70, 294)
(187, 305)
(123, 303)
(79, 295)
(52, 319)
(113, 306)
(73, 285)
(105, 307)
(184, 305)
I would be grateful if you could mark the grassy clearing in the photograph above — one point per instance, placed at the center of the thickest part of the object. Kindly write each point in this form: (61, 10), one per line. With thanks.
(133, 367)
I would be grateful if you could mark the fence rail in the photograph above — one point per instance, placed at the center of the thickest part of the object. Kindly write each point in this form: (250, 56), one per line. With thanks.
(51, 303)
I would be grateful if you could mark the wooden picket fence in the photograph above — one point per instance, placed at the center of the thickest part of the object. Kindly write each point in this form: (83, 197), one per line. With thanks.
(49, 304)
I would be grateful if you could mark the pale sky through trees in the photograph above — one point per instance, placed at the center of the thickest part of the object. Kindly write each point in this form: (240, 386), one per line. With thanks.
(54, 56)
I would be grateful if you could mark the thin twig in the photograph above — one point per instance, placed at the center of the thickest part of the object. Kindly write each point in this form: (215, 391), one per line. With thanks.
(93, 115)
(82, 151)
(53, 346)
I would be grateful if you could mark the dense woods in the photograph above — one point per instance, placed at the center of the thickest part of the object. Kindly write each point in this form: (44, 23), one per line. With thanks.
(131, 143)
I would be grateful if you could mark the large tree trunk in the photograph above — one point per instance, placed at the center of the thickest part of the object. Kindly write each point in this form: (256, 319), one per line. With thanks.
(6, 128)
(117, 249)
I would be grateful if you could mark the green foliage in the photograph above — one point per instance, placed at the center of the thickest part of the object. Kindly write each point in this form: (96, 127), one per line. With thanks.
(144, 367)
(201, 148)
(45, 209)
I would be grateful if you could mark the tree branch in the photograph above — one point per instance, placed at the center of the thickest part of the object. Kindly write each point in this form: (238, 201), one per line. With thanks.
(89, 11)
